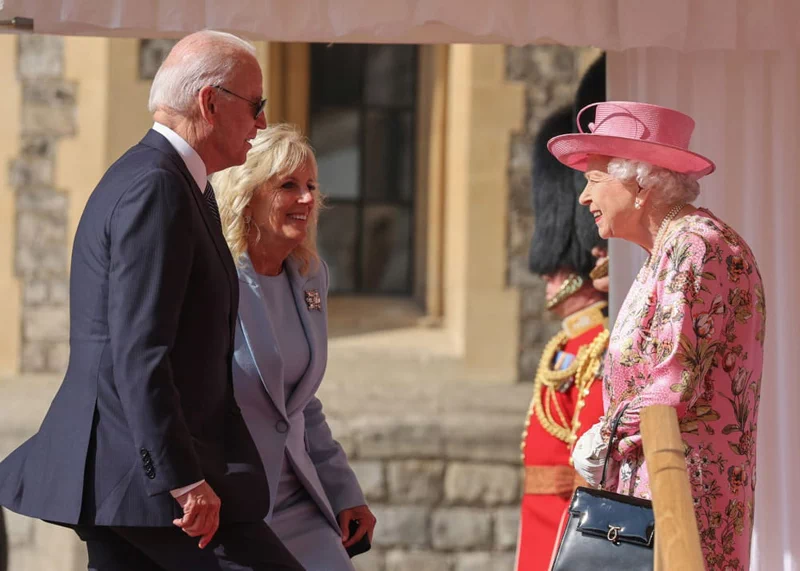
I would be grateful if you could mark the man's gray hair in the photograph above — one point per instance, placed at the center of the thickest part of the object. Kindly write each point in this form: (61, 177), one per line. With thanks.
(670, 187)
(198, 60)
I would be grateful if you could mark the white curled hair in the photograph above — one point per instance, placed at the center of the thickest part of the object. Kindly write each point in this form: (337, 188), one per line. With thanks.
(175, 85)
(670, 187)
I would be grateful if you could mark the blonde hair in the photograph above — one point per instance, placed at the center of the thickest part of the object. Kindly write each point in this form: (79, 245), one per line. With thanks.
(278, 151)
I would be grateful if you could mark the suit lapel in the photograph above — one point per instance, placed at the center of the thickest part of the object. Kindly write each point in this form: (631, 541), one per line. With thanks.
(314, 325)
(216, 234)
(157, 141)
(260, 336)
(213, 228)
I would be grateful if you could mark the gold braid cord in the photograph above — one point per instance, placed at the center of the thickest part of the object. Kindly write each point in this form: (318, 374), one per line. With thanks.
(583, 369)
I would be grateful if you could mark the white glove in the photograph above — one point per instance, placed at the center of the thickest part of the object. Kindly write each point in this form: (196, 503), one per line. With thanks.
(589, 455)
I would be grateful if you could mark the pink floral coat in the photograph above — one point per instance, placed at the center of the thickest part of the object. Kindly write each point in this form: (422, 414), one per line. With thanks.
(690, 334)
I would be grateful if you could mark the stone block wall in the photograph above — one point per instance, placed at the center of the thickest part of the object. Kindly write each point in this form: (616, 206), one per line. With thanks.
(49, 113)
(445, 491)
(445, 487)
(550, 74)
(437, 457)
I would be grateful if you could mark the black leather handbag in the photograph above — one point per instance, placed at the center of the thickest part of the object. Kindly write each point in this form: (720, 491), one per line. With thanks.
(606, 530)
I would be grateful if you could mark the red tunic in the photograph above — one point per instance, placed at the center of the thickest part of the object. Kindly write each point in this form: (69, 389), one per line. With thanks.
(542, 512)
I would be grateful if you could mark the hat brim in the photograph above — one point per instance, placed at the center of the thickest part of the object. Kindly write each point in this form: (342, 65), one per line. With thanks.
(574, 151)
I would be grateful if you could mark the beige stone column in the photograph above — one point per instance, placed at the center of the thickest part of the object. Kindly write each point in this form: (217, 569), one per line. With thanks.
(286, 68)
(430, 182)
(481, 310)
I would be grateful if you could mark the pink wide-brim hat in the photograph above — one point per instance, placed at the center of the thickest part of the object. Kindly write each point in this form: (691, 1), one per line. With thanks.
(636, 131)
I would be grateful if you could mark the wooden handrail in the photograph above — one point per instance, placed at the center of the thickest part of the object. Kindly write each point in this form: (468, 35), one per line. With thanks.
(677, 537)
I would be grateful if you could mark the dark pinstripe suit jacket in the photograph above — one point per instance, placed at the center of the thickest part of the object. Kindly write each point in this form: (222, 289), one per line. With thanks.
(146, 405)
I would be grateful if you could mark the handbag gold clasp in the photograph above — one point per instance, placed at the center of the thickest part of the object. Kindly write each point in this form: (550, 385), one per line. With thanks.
(613, 533)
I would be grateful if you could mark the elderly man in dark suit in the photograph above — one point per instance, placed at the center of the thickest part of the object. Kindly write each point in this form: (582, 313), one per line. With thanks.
(144, 451)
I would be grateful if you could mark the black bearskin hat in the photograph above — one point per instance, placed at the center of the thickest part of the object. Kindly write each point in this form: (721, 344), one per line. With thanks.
(555, 204)
(592, 89)
(564, 232)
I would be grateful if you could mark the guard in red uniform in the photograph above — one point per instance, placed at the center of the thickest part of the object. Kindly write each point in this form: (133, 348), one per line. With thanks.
(567, 394)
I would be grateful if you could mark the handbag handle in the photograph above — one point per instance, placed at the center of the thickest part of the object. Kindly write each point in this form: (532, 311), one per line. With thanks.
(614, 426)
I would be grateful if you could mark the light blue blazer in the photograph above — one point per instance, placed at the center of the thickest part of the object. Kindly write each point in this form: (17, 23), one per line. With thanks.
(298, 426)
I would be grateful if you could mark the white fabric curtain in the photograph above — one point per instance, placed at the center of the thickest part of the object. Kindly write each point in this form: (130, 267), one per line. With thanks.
(612, 24)
(747, 108)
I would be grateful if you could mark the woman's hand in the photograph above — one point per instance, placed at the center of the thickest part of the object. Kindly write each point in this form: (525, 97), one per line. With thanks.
(589, 455)
(601, 283)
(366, 524)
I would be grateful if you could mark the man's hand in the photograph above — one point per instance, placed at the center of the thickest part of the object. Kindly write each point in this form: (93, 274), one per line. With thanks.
(200, 513)
(366, 524)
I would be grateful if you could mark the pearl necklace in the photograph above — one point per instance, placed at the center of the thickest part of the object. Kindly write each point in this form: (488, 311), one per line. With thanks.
(662, 230)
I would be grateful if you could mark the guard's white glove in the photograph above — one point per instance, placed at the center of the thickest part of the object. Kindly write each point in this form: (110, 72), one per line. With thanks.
(589, 455)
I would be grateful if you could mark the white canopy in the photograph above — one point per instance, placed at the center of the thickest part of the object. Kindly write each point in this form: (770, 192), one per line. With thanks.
(683, 25)
(741, 84)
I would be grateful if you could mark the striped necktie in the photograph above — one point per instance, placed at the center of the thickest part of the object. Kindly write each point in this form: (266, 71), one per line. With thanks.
(211, 202)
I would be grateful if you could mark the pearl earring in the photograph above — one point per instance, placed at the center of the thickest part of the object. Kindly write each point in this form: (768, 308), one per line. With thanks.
(637, 204)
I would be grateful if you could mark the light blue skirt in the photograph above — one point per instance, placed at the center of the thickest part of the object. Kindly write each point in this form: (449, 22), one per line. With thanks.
(308, 534)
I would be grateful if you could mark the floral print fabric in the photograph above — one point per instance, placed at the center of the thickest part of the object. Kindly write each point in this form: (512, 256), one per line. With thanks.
(690, 334)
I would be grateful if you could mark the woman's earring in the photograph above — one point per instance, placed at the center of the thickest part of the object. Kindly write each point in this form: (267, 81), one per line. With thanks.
(247, 220)
(637, 204)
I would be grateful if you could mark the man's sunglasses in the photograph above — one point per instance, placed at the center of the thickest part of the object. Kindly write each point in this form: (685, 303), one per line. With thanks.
(258, 106)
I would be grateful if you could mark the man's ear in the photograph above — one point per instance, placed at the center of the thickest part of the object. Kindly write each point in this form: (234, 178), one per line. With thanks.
(207, 100)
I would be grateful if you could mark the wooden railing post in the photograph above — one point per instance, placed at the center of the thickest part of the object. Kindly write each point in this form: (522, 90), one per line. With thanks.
(677, 538)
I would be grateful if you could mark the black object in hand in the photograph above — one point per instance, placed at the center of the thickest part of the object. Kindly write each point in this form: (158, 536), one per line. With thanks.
(363, 544)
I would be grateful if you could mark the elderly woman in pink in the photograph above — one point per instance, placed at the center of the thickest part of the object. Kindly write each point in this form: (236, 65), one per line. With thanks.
(690, 333)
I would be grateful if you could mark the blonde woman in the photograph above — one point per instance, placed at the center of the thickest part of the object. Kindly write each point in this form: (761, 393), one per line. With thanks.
(269, 208)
